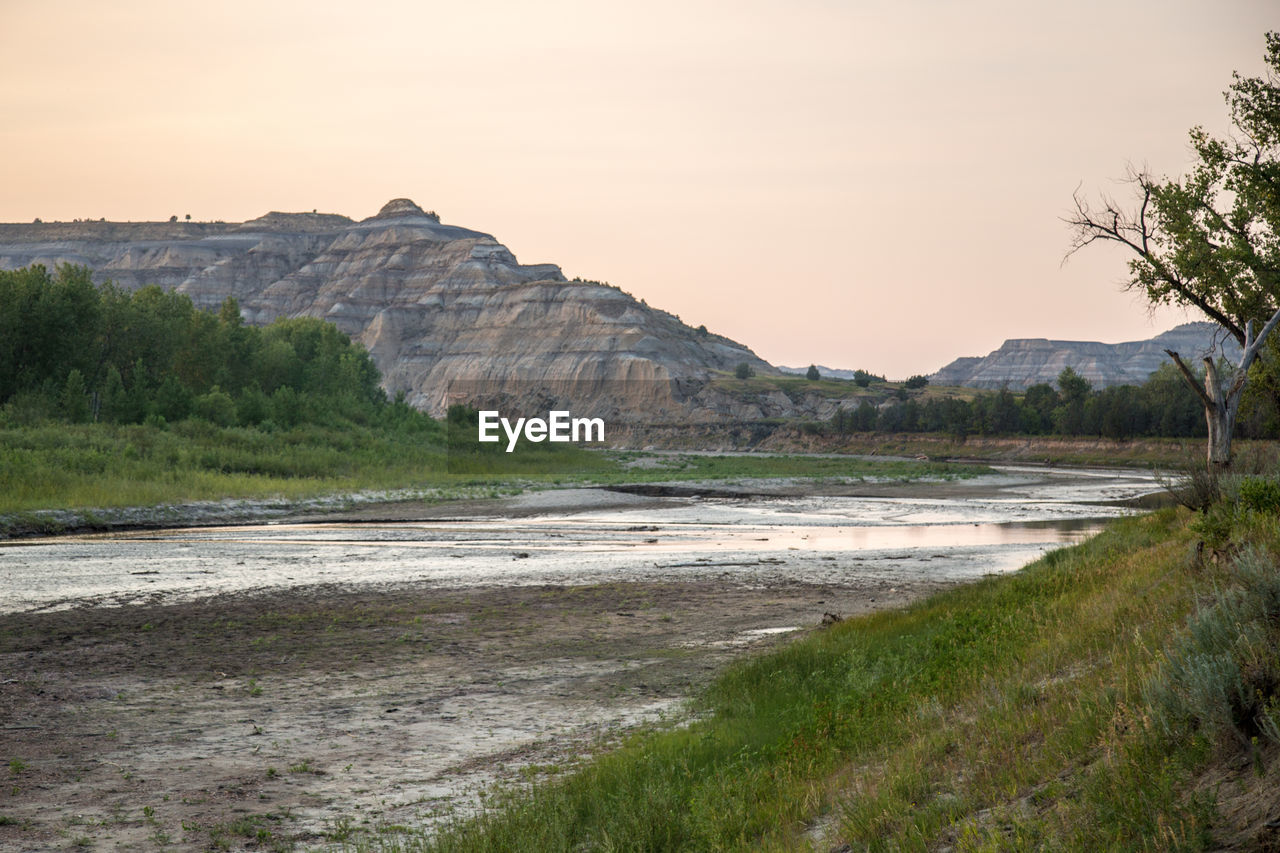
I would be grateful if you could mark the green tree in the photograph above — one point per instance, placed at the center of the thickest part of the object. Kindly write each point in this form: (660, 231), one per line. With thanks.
(916, 382)
(744, 371)
(75, 401)
(1073, 387)
(1038, 404)
(1210, 240)
(216, 407)
(864, 417)
(172, 400)
(287, 407)
(812, 373)
(1068, 418)
(114, 408)
(253, 407)
(1003, 414)
(1173, 408)
(48, 327)
(1260, 408)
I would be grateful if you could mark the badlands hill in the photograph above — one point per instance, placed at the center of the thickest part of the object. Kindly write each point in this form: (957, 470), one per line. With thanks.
(1022, 362)
(440, 307)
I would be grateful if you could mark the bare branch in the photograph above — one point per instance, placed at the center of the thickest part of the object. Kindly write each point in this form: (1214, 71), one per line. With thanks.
(1111, 225)
(1252, 348)
(1266, 330)
(1191, 379)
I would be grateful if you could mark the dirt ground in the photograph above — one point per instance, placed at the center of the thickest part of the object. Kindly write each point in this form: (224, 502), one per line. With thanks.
(274, 720)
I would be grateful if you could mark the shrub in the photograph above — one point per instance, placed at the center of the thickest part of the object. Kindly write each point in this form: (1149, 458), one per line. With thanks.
(744, 371)
(1222, 678)
(27, 409)
(1215, 525)
(1260, 495)
(863, 378)
(216, 407)
(1195, 486)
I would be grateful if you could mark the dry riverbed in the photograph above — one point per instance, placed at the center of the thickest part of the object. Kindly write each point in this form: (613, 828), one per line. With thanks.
(260, 720)
(265, 687)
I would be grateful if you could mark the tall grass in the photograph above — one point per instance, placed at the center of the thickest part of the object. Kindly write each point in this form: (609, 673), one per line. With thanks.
(70, 466)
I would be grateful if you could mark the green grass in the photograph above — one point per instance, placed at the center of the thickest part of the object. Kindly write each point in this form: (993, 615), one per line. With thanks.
(65, 466)
(70, 466)
(1166, 453)
(1013, 713)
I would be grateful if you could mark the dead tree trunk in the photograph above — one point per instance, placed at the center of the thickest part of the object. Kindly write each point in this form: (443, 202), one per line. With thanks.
(1221, 395)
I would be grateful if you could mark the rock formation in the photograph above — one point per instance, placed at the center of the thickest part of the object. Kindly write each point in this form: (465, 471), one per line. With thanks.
(438, 306)
(1022, 362)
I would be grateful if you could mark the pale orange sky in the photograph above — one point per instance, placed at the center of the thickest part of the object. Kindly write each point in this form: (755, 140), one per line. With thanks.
(861, 184)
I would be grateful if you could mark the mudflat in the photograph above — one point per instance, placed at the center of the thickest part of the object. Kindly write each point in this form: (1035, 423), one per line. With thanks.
(205, 715)
(272, 718)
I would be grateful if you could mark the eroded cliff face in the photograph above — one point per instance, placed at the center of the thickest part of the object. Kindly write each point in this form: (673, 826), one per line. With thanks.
(435, 304)
(1022, 362)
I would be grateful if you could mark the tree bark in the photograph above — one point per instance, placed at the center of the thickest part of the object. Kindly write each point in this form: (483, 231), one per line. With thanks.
(1221, 416)
(1221, 399)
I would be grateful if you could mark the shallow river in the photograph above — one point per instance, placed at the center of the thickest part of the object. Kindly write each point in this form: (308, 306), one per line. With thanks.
(993, 524)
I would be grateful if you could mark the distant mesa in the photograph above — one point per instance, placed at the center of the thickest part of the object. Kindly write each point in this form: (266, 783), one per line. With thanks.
(823, 370)
(1020, 363)
(309, 222)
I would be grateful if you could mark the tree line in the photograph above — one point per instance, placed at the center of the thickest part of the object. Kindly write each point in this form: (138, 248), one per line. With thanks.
(1164, 405)
(79, 352)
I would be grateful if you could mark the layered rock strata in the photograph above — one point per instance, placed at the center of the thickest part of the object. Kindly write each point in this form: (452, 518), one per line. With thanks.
(435, 304)
(1022, 362)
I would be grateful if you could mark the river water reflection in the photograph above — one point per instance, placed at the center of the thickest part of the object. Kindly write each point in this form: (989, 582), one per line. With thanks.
(990, 525)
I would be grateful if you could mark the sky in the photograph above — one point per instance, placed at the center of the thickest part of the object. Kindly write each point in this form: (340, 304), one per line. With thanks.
(857, 184)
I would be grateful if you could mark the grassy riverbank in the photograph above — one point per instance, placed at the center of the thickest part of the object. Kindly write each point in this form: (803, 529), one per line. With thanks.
(1084, 451)
(1067, 705)
(67, 466)
(58, 466)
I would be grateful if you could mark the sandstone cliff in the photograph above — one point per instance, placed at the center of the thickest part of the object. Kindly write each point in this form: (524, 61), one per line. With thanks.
(438, 306)
(1023, 362)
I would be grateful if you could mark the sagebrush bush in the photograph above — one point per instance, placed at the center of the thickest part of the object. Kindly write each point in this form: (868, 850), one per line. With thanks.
(1222, 678)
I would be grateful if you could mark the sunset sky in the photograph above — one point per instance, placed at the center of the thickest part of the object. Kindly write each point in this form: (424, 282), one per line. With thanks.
(861, 184)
